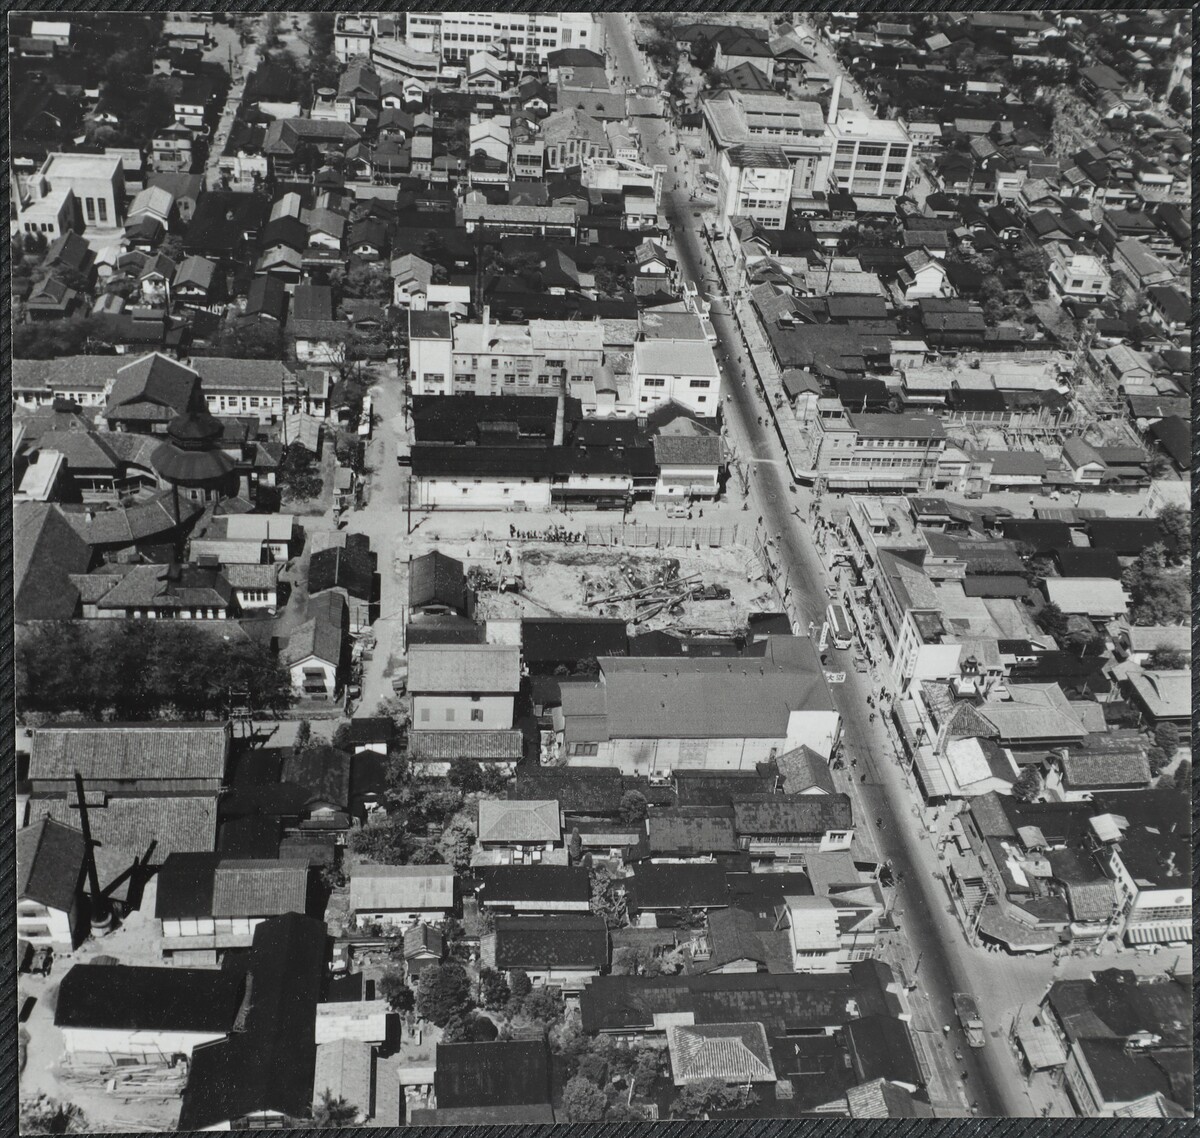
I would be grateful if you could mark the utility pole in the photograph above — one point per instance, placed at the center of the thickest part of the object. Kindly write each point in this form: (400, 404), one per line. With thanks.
(408, 516)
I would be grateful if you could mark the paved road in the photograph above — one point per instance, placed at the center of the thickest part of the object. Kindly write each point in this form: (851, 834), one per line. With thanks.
(927, 924)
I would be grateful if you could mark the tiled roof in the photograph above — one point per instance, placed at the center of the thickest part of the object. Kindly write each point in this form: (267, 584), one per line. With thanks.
(172, 825)
(46, 550)
(731, 1052)
(503, 820)
(792, 814)
(562, 941)
(691, 829)
(187, 751)
(533, 883)
(246, 888)
(50, 860)
(344, 1070)
(433, 746)
(464, 668)
(498, 1074)
(395, 887)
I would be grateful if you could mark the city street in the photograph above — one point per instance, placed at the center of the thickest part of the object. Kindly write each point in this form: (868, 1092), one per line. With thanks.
(929, 929)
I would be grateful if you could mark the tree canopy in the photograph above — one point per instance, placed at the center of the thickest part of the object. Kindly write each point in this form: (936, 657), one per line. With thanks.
(444, 992)
(138, 670)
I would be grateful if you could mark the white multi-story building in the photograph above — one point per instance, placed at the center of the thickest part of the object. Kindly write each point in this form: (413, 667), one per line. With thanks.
(527, 38)
(798, 128)
(352, 37)
(871, 157)
(91, 186)
(756, 182)
(680, 371)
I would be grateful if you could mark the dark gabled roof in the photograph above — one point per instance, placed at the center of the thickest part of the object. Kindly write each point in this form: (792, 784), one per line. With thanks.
(431, 460)
(533, 883)
(882, 1048)
(50, 861)
(470, 418)
(435, 578)
(551, 639)
(350, 567)
(566, 940)
(269, 1064)
(312, 302)
(185, 885)
(323, 772)
(578, 790)
(1080, 561)
(46, 550)
(370, 729)
(1174, 435)
(690, 830)
(1126, 537)
(513, 1072)
(781, 1003)
(124, 997)
(221, 218)
(1043, 535)
(266, 297)
(675, 886)
(792, 814)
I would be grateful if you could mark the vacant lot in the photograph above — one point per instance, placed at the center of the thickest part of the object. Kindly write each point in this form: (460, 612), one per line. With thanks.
(652, 590)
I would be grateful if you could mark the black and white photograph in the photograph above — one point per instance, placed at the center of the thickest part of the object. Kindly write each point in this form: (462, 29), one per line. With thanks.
(601, 567)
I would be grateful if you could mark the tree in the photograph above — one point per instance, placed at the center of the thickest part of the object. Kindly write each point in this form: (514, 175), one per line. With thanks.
(1028, 785)
(457, 843)
(495, 779)
(1158, 760)
(299, 474)
(52, 338)
(633, 807)
(582, 1101)
(465, 774)
(575, 846)
(1176, 525)
(46, 1115)
(303, 734)
(544, 1006)
(1053, 620)
(648, 1069)
(1164, 658)
(332, 1110)
(519, 983)
(704, 54)
(1183, 778)
(701, 1098)
(1158, 596)
(386, 842)
(493, 989)
(608, 899)
(139, 670)
(1179, 101)
(635, 961)
(443, 992)
(1166, 736)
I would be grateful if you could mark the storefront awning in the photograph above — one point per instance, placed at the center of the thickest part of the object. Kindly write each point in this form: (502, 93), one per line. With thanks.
(929, 770)
(1158, 934)
(1041, 1047)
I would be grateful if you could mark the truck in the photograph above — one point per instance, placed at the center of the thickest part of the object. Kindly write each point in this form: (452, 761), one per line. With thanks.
(968, 1015)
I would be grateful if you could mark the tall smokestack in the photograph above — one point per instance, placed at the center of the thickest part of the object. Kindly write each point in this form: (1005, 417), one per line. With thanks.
(835, 98)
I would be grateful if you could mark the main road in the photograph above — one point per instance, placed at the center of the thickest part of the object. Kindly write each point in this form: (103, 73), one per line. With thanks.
(922, 909)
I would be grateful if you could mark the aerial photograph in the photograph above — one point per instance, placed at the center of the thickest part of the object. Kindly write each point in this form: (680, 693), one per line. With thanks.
(619, 567)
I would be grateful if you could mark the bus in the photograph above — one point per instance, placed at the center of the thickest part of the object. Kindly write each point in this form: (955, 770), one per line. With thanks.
(840, 632)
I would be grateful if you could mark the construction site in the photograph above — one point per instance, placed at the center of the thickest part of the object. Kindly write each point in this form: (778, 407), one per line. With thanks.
(692, 591)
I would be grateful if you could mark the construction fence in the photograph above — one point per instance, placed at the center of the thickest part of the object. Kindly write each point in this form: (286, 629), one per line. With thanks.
(666, 536)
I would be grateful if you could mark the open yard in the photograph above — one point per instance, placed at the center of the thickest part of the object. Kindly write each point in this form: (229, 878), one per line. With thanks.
(685, 590)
